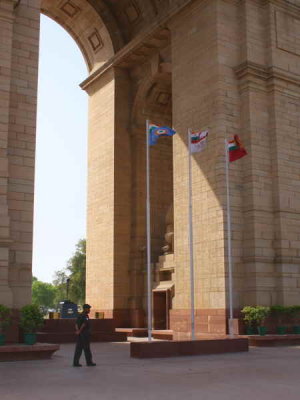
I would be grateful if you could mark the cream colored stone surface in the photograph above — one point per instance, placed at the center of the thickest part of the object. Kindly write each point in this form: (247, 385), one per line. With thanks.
(230, 66)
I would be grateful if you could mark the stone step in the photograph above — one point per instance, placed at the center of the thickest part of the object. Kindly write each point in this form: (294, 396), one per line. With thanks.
(162, 334)
(167, 258)
(135, 332)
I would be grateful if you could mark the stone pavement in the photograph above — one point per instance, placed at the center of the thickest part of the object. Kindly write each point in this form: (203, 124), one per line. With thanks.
(263, 373)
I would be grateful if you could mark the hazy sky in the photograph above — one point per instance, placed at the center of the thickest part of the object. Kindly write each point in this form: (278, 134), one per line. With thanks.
(61, 162)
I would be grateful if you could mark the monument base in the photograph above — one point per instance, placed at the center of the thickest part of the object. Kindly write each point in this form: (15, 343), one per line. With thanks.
(187, 347)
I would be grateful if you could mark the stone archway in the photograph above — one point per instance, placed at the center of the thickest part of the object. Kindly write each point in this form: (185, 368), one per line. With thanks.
(234, 69)
(20, 27)
(109, 182)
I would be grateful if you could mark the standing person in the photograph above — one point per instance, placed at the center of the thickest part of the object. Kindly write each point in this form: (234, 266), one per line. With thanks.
(83, 338)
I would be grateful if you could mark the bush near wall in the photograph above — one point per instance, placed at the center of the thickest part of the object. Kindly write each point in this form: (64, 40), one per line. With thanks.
(288, 316)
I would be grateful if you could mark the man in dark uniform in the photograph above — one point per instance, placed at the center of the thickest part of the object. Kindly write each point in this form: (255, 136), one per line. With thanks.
(83, 338)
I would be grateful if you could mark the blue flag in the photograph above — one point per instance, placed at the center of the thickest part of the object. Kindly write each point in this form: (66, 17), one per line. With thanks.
(157, 131)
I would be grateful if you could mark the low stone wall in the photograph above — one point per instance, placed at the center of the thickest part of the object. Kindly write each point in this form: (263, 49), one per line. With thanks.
(187, 348)
(22, 352)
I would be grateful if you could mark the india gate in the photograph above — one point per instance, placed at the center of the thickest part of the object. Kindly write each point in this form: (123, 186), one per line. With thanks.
(231, 66)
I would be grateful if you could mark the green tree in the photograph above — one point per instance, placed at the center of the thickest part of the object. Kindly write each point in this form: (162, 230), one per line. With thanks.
(75, 272)
(76, 267)
(43, 294)
(60, 283)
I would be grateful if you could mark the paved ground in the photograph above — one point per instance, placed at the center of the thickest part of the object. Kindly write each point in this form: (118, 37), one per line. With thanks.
(263, 373)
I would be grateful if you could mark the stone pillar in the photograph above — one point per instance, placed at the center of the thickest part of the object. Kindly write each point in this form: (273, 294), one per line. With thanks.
(109, 185)
(236, 71)
(19, 68)
(269, 88)
(6, 35)
(198, 103)
(284, 97)
(259, 278)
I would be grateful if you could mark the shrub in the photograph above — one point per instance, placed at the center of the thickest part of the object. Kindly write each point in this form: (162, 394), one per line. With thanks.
(294, 314)
(5, 318)
(31, 318)
(249, 315)
(279, 312)
(255, 314)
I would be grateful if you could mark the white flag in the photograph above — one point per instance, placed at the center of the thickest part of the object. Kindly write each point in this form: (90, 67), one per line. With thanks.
(198, 141)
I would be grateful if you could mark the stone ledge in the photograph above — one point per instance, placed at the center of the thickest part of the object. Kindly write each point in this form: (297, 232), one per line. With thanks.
(187, 348)
(274, 340)
(135, 332)
(22, 352)
(164, 334)
(70, 337)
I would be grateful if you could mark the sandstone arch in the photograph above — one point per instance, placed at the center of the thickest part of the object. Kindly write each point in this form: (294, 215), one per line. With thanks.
(85, 25)
(235, 68)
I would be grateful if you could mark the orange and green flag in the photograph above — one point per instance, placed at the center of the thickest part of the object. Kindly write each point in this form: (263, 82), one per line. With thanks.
(236, 150)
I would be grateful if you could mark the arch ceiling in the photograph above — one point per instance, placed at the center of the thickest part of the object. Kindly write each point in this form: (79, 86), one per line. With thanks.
(85, 25)
(102, 27)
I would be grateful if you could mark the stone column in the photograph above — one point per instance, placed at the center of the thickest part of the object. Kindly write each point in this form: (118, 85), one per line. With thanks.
(19, 67)
(109, 185)
(284, 97)
(6, 35)
(198, 103)
(259, 279)
(21, 147)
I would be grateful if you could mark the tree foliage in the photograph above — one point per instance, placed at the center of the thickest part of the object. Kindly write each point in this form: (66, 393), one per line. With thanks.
(43, 295)
(77, 271)
(47, 295)
(60, 282)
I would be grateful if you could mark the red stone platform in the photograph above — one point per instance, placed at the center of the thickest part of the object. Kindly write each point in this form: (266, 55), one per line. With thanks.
(187, 347)
(273, 340)
(21, 352)
(63, 331)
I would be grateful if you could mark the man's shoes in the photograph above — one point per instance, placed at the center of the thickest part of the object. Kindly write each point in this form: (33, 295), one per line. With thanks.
(77, 365)
(92, 364)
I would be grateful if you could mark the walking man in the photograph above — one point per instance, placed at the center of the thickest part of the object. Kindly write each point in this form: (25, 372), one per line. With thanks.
(83, 338)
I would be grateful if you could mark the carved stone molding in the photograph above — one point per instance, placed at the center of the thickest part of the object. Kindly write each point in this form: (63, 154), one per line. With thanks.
(132, 12)
(16, 3)
(156, 35)
(249, 68)
(285, 4)
(95, 41)
(70, 9)
(250, 73)
(287, 32)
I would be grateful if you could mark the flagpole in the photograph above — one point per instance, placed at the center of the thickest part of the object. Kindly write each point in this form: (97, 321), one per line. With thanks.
(149, 275)
(229, 241)
(191, 241)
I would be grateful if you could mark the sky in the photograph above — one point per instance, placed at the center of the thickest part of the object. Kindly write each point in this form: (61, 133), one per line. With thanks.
(61, 152)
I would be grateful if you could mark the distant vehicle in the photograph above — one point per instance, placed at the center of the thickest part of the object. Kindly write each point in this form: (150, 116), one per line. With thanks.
(68, 309)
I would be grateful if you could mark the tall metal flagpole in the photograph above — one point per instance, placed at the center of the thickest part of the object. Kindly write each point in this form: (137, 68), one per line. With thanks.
(229, 241)
(149, 275)
(191, 241)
